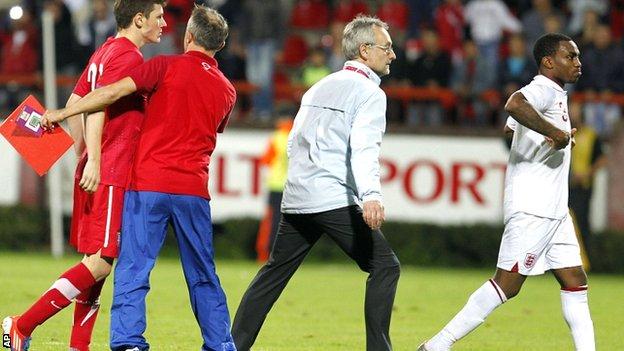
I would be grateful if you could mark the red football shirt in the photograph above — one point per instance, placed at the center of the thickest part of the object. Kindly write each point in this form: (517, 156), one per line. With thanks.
(189, 104)
(112, 61)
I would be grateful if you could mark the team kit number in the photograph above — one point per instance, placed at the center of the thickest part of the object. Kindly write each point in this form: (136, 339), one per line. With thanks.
(94, 72)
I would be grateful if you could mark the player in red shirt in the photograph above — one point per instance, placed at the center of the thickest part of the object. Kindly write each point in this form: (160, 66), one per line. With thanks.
(190, 101)
(107, 148)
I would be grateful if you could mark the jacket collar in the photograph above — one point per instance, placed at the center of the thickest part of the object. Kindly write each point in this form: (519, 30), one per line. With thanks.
(360, 68)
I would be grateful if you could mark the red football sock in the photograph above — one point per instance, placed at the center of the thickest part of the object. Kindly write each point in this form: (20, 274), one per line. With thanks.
(59, 296)
(85, 314)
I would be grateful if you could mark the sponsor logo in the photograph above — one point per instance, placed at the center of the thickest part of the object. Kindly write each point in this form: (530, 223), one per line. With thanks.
(6, 341)
(205, 65)
(529, 260)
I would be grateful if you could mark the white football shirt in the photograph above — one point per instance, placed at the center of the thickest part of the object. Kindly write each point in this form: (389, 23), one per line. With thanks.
(536, 181)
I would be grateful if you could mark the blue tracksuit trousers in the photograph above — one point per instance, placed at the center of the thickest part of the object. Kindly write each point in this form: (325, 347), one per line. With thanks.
(145, 219)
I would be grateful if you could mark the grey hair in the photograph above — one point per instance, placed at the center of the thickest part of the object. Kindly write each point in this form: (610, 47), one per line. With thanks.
(208, 27)
(358, 32)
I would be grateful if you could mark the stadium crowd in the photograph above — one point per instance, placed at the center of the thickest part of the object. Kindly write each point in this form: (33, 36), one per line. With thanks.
(457, 61)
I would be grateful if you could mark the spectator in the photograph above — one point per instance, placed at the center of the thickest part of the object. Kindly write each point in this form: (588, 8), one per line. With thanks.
(261, 30)
(587, 158)
(310, 14)
(315, 69)
(533, 20)
(488, 19)
(553, 24)
(335, 56)
(578, 8)
(64, 37)
(19, 56)
(602, 63)
(420, 15)
(591, 21)
(516, 69)
(432, 70)
(19, 52)
(81, 11)
(449, 22)
(275, 158)
(346, 10)
(102, 25)
(616, 18)
(472, 76)
(398, 77)
(65, 44)
(396, 14)
(603, 75)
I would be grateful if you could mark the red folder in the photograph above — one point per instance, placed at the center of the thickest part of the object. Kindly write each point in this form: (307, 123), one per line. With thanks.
(40, 150)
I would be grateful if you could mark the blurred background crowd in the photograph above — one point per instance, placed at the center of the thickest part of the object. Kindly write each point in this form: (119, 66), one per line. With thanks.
(457, 61)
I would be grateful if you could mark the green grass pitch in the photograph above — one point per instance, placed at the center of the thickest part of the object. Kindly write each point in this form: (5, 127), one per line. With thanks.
(322, 308)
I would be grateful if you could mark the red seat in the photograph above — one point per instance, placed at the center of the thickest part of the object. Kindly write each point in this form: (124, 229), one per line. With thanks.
(346, 10)
(295, 50)
(395, 13)
(310, 14)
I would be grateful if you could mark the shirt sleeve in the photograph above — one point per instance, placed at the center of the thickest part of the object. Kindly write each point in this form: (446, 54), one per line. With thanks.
(511, 123)
(83, 87)
(537, 96)
(119, 67)
(148, 76)
(369, 125)
(507, 19)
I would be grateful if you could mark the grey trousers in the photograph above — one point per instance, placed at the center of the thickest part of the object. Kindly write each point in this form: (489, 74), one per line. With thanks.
(296, 235)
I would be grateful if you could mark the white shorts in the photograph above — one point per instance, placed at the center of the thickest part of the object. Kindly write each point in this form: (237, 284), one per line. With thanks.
(532, 245)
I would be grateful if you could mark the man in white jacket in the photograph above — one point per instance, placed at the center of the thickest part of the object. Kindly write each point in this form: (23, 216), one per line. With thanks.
(333, 186)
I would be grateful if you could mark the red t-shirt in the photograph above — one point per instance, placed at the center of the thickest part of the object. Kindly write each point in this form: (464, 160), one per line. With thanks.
(114, 60)
(189, 104)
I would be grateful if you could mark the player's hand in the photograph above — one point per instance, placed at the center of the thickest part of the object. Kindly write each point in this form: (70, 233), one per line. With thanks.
(50, 117)
(559, 140)
(90, 176)
(373, 214)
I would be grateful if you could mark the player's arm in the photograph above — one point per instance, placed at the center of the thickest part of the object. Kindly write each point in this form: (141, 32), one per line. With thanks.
(76, 126)
(94, 126)
(523, 112)
(366, 132)
(96, 100)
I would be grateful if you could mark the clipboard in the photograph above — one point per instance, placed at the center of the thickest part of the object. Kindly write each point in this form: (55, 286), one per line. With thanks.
(40, 149)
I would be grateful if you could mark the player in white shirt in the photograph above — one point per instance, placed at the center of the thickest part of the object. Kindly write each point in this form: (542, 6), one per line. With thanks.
(538, 234)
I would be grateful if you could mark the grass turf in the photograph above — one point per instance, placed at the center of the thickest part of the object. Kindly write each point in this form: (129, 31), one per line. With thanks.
(322, 308)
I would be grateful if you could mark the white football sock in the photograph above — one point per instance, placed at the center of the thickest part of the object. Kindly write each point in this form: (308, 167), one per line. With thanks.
(480, 304)
(576, 313)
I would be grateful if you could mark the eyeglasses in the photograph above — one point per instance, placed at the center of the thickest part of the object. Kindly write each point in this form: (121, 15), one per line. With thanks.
(386, 48)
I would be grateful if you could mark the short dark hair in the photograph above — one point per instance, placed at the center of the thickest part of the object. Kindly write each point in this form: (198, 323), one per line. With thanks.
(208, 27)
(547, 45)
(125, 10)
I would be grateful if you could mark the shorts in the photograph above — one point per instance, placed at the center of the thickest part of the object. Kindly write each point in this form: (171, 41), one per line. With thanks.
(532, 245)
(96, 220)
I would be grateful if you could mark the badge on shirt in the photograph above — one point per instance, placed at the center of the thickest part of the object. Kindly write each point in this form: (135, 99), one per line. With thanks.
(29, 120)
